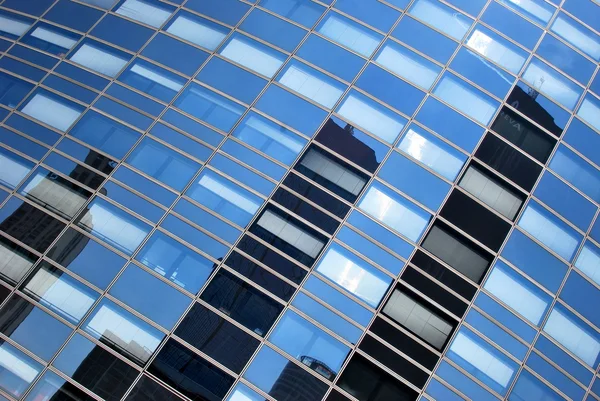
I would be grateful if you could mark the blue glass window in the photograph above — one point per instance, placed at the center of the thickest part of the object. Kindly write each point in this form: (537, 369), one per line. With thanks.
(270, 138)
(493, 46)
(464, 384)
(197, 30)
(549, 230)
(113, 225)
(51, 39)
(375, 118)
(506, 318)
(372, 12)
(584, 139)
(482, 360)
(232, 80)
(466, 98)
(354, 274)
(407, 64)
(99, 57)
(590, 110)
(583, 296)
(301, 339)
(330, 57)
(152, 80)
(18, 371)
(163, 163)
(394, 210)
(122, 331)
(578, 35)
(304, 12)
(441, 17)
(497, 334)
(122, 33)
(574, 335)
(425, 39)
(194, 237)
(577, 171)
(349, 33)
(181, 141)
(209, 222)
(224, 197)
(511, 24)
(62, 13)
(13, 25)
(273, 30)
(253, 159)
(175, 54)
(51, 109)
(311, 83)
(559, 88)
(13, 168)
(588, 261)
(518, 293)
(227, 11)
(252, 54)
(566, 59)
(150, 12)
(528, 384)
(150, 296)
(209, 106)
(175, 262)
(60, 292)
(432, 152)
(414, 181)
(105, 134)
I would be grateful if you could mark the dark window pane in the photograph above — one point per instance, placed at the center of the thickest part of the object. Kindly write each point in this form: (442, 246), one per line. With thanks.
(523, 134)
(508, 161)
(315, 194)
(272, 259)
(95, 368)
(148, 390)
(189, 373)
(475, 220)
(367, 382)
(217, 338)
(305, 210)
(444, 275)
(538, 108)
(260, 276)
(53, 387)
(29, 224)
(457, 251)
(242, 302)
(15, 261)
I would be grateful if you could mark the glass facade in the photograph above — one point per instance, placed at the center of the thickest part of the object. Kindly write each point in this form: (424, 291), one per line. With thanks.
(299, 200)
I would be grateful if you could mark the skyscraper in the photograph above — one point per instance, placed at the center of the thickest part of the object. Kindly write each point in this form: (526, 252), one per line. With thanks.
(299, 200)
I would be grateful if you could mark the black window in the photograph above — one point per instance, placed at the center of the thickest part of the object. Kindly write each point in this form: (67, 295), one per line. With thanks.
(316, 194)
(524, 99)
(367, 382)
(305, 210)
(190, 374)
(217, 338)
(243, 302)
(148, 390)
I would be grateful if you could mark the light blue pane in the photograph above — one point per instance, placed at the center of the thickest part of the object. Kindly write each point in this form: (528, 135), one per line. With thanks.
(13, 168)
(466, 98)
(339, 301)
(414, 181)
(244, 393)
(576, 34)
(589, 110)
(482, 72)
(175, 262)
(472, 7)
(508, 319)
(588, 261)
(133, 202)
(554, 376)
(549, 230)
(194, 237)
(538, 10)
(565, 201)
(270, 138)
(441, 17)
(495, 333)
(370, 250)
(152, 80)
(242, 174)
(383, 236)
(304, 12)
(370, 115)
(12, 376)
(253, 159)
(182, 142)
(395, 211)
(113, 225)
(496, 48)
(574, 334)
(194, 128)
(291, 110)
(144, 185)
(534, 261)
(564, 360)
(299, 338)
(462, 383)
(450, 124)
(209, 107)
(408, 64)
(150, 296)
(518, 293)
(224, 197)
(557, 87)
(424, 39)
(577, 171)
(163, 163)
(209, 222)
(349, 33)
(354, 274)
(482, 360)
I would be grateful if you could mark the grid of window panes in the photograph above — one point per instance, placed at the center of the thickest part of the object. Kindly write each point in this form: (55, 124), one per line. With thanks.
(299, 200)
